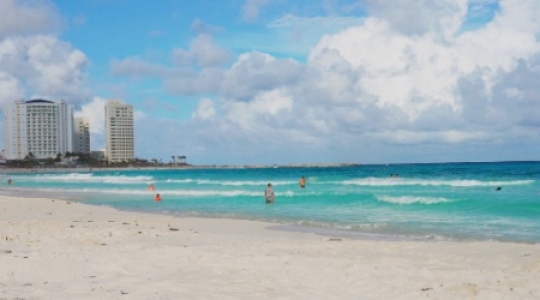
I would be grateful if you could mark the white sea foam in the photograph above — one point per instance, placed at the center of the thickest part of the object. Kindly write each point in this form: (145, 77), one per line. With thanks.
(80, 177)
(413, 200)
(342, 226)
(229, 182)
(201, 193)
(180, 180)
(289, 194)
(176, 192)
(455, 183)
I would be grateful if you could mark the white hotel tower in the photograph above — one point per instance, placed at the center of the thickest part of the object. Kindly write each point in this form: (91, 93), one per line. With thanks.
(81, 135)
(119, 132)
(41, 127)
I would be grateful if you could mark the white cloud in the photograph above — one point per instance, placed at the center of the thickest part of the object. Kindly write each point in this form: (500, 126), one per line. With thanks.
(441, 18)
(44, 67)
(513, 93)
(251, 73)
(205, 110)
(423, 85)
(28, 17)
(10, 89)
(203, 51)
(254, 72)
(95, 112)
(251, 9)
(138, 115)
(33, 62)
(289, 21)
(416, 72)
(267, 105)
(200, 27)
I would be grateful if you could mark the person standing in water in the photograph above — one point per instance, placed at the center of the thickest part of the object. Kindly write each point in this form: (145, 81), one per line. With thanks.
(303, 182)
(269, 195)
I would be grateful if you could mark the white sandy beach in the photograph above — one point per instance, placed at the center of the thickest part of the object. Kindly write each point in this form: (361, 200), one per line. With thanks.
(55, 249)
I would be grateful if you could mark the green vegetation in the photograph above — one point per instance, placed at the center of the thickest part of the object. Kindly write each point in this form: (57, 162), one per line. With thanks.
(72, 159)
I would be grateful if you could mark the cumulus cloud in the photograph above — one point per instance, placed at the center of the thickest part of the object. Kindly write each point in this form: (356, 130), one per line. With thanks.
(203, 51)
(28, 17)
(33, 61)
(41, 66)
(255, 72)
(205, 110)
(95, 112)
(10, 88)
(408, 75)
(203, 54)
(266, 105)
(417, 72)
(251, 73)
(442, 18)
(251, 9)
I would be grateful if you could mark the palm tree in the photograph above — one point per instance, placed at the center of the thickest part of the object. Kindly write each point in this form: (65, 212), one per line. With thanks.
(182, 159)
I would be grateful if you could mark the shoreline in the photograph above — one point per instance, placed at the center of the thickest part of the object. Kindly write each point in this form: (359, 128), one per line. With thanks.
(6, 171)
(278, 225)
(60, 249)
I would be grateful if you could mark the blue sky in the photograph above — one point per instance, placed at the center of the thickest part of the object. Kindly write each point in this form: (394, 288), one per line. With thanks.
(281, 81)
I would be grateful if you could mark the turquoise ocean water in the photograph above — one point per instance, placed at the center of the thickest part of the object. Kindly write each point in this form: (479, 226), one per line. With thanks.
(456, 201)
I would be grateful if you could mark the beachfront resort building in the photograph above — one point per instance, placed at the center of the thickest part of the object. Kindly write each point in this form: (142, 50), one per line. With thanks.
(119, 132)
(81, 135)
(38, 128)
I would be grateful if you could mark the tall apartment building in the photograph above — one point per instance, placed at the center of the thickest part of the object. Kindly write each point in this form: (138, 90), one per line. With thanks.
(40, 127)
(119, 131)
(81, 135)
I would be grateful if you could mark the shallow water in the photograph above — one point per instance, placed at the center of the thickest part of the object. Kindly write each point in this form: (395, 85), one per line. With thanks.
(428, 201)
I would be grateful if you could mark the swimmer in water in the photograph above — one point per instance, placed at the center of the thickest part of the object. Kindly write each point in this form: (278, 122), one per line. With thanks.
(303, 182)
(269, 195)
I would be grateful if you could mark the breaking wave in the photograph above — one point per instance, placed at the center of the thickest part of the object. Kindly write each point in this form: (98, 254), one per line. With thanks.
(454, 183)
(413, 200)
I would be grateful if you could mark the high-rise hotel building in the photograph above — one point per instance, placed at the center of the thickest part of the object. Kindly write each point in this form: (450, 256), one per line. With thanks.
(81, 135)
(38, 127)
(119, 132)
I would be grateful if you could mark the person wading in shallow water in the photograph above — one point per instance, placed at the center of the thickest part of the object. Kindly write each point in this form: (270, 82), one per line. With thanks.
(303, 182)
(269, 195)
